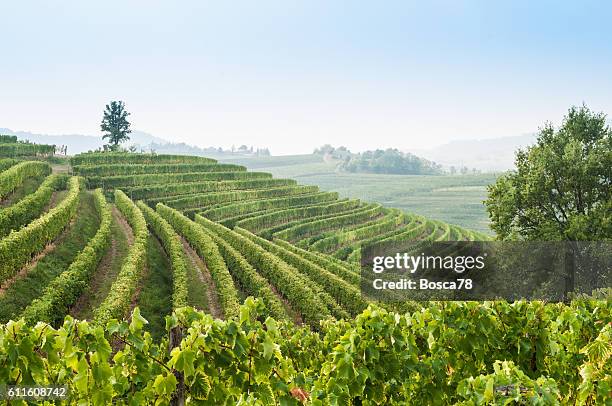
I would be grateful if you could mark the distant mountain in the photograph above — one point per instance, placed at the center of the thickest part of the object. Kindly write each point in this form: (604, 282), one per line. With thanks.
(495, 154)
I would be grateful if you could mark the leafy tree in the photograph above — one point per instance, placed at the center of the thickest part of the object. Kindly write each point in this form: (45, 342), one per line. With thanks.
(390, 161)
(561, 188)
(115, 124)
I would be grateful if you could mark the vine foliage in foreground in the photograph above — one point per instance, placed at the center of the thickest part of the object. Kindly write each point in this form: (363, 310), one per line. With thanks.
(451, 353)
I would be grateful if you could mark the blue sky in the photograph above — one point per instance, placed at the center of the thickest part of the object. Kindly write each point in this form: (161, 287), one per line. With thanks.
(292, 75)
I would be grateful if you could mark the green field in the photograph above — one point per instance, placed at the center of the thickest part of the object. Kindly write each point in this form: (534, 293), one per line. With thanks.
(455, 199)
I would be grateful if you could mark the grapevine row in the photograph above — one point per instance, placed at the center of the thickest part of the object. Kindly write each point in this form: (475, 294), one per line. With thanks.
(340, 270)
(324, 297)
(8, 139)
(208, 251)
(235, 209)
(170, 190)
(391, 221)
(135, 169)
(14, 176)
(276, 217)
(6, 163)
(19, 246)
(26, 149)
(65, 289)
(207, 199)
(31, 206)
(96, 158)
(118, 300)
(249, 280)
(174, 248)
(283, 277)
(147, 179)
(347, 295)
(271, 231)
(303, 230)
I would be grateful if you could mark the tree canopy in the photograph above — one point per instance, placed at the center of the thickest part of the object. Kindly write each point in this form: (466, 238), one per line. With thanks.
(561, 188)
(115, 125)
(390, 161)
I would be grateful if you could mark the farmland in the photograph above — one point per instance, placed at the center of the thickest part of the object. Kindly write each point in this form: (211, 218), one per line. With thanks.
(253, 283)
(456, 199)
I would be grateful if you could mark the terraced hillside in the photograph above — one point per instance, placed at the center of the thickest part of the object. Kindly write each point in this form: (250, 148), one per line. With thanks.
(225, 233)
(292, 245)
(122, 235)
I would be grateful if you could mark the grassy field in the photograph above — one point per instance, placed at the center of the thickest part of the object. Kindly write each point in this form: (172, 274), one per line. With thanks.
(456, 199)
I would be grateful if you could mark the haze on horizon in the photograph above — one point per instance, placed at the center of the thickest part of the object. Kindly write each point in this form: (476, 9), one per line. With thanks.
(292, 76)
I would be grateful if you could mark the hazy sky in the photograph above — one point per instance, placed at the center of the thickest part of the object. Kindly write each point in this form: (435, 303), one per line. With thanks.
(294, 75)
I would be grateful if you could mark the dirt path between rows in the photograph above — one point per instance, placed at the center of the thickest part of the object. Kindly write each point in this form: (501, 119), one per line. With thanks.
(30, 265)
(48, 248)
(55, 197)
(104, 267)
(204, 274)
(125, 226)
(136, 295)
(60, 168)
(293, 314)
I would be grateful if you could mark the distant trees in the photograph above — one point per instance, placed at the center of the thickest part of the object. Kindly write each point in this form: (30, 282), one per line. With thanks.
(115, 125)
(330, 151)
(562, 186)
(323, 150)
(390, 161)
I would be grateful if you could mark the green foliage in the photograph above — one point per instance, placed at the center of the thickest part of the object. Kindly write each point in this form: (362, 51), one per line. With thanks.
(174, 248)
(25, 149)
(170, 179)
(299, 291)
(389, 161)
(64, 290)
(6, 163)
(14, 176)
(139, 169)
(391, 220)
(208, 251)
(115, 125)
(8, 139)
(37, 275)
(347, 295)
(243, 207)
(276, 217)
(341, 269)
(561, 188)
(169, 190)
(31, 206)
(19, 246)
(97, 158)
(310, 228)
(247, 277)
(201, 200)
(456, 199)
(446, 353)
(117, 303)
(155, 289)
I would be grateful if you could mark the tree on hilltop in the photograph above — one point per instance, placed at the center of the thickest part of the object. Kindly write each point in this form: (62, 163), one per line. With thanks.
(115, 125)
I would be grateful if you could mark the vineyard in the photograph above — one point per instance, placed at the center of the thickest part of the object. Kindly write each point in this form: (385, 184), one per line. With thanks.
(157, 279)
(11, 147)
